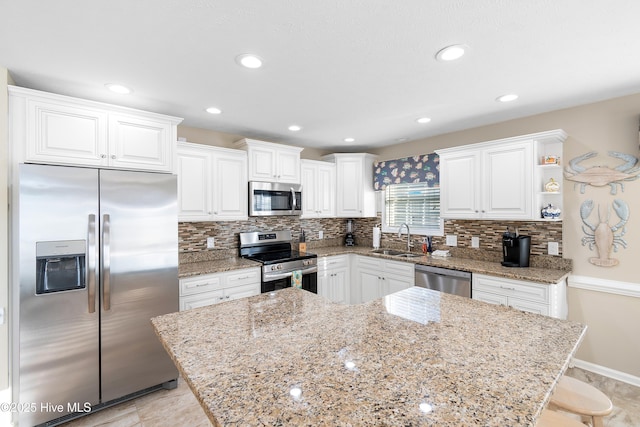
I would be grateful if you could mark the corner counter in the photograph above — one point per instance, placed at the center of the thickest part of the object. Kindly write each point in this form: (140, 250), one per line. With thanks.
(416, 357)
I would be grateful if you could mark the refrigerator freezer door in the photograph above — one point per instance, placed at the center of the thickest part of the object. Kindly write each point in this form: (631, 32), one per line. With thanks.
(58, 346)
(139, 230)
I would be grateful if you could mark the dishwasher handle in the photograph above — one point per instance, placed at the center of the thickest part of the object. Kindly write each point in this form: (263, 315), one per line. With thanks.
(442, 271)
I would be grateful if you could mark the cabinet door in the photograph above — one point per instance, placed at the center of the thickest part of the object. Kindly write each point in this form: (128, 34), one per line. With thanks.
(324, 279)
(137, 143)
(242, 291)
(310, 191)
(66, 134)
(230, 190)
(194, 184)
(325, 191)
(349, 189)
(529, 306)
(200, 300)
(489, 297)
(370, 286)
(340, 287)
(507, 181)
(397, 284)
(288, 166)
(459, 184)
(262, 164)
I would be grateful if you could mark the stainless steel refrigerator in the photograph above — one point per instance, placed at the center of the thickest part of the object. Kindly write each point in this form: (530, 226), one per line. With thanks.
(97, 259)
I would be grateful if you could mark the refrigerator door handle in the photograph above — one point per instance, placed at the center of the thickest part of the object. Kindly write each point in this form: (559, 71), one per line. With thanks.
(106, 262)
(91, 262)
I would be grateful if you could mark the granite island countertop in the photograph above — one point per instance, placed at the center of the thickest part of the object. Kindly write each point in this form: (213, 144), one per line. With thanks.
(416, 357)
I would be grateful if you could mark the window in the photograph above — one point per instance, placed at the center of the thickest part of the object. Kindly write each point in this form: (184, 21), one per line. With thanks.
(417, 205)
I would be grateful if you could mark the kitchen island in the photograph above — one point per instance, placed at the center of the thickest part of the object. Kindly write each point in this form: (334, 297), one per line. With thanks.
(416, 357)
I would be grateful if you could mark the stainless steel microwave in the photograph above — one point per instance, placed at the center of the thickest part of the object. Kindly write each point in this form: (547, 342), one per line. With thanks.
(271, 198)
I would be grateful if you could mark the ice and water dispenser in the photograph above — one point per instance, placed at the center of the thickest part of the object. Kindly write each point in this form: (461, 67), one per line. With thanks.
(60, 265)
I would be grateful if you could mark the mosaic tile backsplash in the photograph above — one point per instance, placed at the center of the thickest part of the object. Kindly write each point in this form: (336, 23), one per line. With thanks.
(193, 235)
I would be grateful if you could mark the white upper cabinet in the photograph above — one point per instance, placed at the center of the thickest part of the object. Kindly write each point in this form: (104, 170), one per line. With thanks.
(319, 189)
(56, 129)
(355, 197)
(493, 180)
(271, 162)
(212, 183)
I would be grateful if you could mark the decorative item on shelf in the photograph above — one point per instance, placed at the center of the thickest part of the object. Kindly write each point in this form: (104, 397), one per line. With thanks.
(550, 160)
(552, 186)
(550, 212)
(600, 176)
(603, 236)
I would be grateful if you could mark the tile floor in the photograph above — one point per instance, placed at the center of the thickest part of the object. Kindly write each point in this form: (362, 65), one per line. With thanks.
(180, 408)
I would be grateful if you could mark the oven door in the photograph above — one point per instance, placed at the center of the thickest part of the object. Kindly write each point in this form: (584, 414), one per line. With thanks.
(276, 281)
(268, 199)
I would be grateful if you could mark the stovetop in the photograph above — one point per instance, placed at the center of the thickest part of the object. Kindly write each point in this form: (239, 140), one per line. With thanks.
(280, 256)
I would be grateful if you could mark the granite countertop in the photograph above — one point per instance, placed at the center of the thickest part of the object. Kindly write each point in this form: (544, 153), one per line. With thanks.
(196, 266)
(532, 274)
(188, 269)
(416, 357)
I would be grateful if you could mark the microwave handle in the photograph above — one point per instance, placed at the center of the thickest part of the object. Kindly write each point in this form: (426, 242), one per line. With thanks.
(293, 200)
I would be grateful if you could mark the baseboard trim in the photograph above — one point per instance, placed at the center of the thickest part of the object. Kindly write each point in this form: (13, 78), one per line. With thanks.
(628, 289)
(606, 372)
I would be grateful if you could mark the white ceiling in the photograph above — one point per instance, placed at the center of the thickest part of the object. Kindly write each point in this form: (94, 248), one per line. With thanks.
(339, 68)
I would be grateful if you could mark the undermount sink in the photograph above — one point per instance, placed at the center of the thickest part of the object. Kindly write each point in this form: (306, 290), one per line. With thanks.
(392, 252)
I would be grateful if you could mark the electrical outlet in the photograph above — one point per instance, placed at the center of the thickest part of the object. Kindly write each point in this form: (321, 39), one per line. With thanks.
(553, 248)
(475, 242)
(452, 240)
(320, 234)
(211, 243)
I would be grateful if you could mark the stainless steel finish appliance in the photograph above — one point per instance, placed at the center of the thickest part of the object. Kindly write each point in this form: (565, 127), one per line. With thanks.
(96, 255)
(349, 238)
(443, 280)
(270, 198)
(279, 261)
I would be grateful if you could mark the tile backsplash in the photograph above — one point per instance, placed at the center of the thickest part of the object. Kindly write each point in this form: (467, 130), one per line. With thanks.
(193, 235)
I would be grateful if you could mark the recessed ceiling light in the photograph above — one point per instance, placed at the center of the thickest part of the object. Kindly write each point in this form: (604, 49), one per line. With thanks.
(423, 120)
(117, 88)
(451, 53)
(507, 98)
(213, 110)
(294, 128)
(249, 61)
(349, 140)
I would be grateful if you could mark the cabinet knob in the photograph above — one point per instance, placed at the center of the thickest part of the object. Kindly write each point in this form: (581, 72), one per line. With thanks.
(103, 156)
(113, 156)
(227, 297)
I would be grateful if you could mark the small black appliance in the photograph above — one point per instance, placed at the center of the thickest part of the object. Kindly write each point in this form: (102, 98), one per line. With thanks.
(515, 249)
(349, 239)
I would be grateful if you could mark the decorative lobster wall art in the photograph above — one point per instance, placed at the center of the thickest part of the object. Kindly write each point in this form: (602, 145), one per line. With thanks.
(603, 236)
(600, 176)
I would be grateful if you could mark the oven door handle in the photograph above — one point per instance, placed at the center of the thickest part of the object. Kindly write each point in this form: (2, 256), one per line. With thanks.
(269, 277)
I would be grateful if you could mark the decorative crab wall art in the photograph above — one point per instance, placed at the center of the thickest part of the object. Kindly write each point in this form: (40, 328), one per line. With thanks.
(603, 236)
(599, 176)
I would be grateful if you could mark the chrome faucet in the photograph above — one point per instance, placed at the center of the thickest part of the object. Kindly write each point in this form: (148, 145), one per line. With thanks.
(408, 235)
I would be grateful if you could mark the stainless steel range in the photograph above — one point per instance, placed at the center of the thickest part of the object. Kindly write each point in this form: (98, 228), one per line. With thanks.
(279, 261)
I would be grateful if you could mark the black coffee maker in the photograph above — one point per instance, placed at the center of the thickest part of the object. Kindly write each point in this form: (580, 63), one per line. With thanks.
(515, 249)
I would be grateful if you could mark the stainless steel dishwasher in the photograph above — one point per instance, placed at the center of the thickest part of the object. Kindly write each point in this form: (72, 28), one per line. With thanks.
(444, 280)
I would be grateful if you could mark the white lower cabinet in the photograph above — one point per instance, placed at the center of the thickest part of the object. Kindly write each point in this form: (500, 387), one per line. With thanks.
(375, 278)
(207, 289)
(333, 278)
(540, 298)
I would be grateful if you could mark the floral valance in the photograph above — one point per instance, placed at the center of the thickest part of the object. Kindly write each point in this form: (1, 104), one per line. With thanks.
(421, 168)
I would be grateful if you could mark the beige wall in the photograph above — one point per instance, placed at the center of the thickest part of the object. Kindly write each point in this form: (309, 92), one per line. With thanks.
(612, 340)
(4, 227)
(226, 140)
